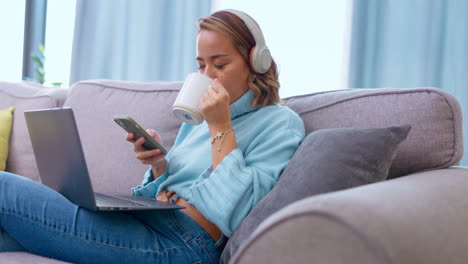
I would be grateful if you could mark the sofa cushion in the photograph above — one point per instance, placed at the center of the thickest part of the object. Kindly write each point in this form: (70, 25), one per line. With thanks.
(26, 96)
(436, 139)
(110, 158)
(327, 160)
(6, 118)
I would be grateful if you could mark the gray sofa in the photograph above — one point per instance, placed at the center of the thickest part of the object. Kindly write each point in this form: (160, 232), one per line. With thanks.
(418, 215)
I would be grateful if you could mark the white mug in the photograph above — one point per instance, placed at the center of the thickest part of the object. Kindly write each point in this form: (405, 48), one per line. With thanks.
(186, 104)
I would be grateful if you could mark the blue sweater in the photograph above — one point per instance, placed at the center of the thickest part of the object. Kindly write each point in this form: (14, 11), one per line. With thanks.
(266, 139)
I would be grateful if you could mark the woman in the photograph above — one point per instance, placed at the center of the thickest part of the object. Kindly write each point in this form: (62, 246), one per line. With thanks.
(218, 170)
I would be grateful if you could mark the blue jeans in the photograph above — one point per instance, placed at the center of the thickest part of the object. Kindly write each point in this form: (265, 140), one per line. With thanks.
(39, 220)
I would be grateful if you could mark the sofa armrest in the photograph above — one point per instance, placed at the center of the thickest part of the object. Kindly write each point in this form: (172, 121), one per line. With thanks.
(420, 218)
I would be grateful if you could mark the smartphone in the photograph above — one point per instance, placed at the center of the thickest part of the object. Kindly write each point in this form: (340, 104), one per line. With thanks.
(132, 126)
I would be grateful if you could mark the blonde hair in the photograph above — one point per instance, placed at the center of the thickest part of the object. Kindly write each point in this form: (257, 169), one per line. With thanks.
(265, 86)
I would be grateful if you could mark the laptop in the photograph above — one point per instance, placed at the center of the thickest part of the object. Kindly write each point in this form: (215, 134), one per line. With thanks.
(62, 166)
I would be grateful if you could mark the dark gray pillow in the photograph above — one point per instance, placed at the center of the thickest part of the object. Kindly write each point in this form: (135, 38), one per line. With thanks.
(327, 160)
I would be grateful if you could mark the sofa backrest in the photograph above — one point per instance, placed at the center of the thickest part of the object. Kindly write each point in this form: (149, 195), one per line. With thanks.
(110, 158)
(26, 96)
(435, 140)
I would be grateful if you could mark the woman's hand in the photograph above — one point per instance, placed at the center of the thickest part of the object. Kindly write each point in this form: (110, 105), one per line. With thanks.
(151, 157)
(214, 105)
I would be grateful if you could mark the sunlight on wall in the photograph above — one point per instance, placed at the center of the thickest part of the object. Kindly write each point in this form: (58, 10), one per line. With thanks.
(306, 38)
(12, 32)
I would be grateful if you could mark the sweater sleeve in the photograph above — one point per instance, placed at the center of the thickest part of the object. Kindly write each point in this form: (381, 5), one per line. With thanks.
(149, 187)
(242, 179)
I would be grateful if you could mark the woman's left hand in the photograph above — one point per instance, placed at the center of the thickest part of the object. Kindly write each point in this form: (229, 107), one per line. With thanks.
(214, 105)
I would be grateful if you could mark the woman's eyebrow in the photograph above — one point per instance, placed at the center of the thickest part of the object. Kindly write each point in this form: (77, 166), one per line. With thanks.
(214, 57)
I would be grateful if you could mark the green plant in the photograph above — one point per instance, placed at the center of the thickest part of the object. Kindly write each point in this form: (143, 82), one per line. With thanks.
(39, 59)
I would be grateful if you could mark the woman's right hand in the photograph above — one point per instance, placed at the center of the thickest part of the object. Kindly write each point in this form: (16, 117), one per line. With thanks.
(151, 157)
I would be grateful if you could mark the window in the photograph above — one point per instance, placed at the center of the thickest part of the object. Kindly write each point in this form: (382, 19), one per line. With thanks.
(306, 38)
(59, 40)
(12, 32)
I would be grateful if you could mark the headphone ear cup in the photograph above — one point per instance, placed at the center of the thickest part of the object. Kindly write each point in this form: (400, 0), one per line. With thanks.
(260, 59)
(265, 58)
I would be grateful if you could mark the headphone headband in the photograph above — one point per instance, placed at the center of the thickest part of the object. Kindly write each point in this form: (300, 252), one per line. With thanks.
(260, 57)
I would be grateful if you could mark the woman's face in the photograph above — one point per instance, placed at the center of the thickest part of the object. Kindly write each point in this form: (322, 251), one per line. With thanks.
(218, 58)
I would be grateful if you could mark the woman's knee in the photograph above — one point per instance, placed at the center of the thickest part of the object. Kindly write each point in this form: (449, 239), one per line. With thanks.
(7, 178)
(13, 184)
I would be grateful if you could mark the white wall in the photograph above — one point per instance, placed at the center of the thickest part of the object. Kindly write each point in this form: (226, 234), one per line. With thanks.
(307, 38)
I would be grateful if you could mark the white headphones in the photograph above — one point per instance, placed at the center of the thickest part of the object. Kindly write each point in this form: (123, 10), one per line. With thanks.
(260, 57)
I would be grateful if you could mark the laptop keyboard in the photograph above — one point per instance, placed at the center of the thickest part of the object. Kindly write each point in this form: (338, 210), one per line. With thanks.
(112, 201)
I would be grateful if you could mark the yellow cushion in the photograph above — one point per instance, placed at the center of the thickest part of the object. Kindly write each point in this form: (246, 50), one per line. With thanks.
(6, 118)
